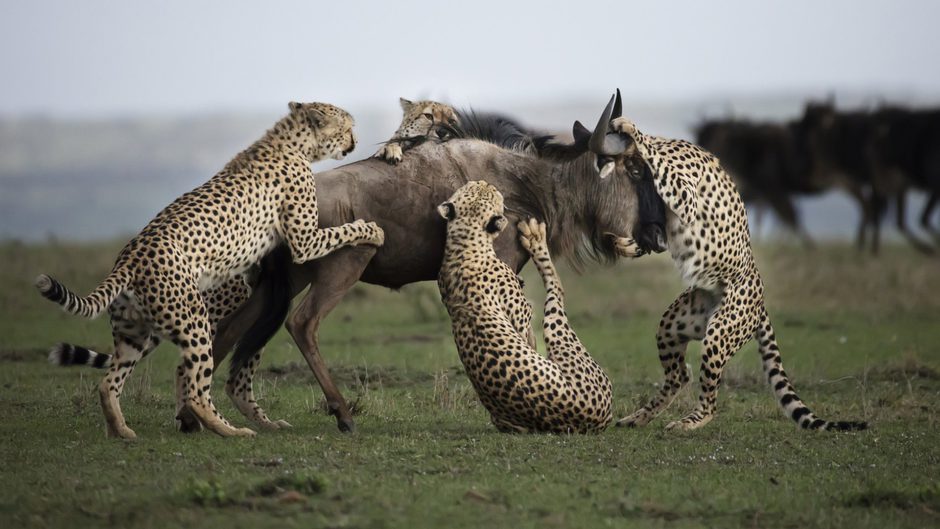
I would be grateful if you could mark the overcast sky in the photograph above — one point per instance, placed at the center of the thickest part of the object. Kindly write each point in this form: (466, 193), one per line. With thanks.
(111, 58)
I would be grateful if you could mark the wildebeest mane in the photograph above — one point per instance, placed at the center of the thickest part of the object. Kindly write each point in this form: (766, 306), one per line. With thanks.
(497, 129)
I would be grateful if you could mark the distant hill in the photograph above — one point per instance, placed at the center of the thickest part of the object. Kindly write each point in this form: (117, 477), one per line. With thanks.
(98, 179)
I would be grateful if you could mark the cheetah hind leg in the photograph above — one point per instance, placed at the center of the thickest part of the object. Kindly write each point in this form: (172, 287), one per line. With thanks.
(239, 389)
(126, 356)
(505, 426)
(729, 328)
(684, 320)
(186, 420)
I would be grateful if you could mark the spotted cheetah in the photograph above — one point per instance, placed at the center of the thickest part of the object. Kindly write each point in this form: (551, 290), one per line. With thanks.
(418, 122)
(184, 272)
(724, 303)
(523, 391)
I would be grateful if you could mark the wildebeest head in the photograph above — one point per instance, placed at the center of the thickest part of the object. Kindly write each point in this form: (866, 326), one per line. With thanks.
(618, 163)
(476, 208)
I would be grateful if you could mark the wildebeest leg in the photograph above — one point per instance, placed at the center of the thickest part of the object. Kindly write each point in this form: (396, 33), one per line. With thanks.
(335, 275)
(786, 211)
(864, 206)
(879, 204)
(902, 224)
(927, 212)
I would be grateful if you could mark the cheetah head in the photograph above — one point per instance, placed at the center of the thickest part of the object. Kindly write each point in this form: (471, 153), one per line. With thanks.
(422, 118)
(477, 207)
(331, 126)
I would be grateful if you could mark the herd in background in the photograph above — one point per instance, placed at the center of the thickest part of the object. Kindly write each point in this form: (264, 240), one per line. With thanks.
(877, 156)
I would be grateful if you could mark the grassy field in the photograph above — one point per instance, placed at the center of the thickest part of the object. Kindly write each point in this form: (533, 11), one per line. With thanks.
(860, 337)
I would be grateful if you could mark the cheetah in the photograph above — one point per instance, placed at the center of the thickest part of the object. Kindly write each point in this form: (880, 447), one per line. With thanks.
(566, 392)
(418, 122)
(723, 306)
(185, 271)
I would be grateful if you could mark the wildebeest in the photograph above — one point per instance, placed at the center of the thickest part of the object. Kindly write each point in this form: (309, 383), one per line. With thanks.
(906, 150)
(886, 152)
(581, 211)
(771, 163)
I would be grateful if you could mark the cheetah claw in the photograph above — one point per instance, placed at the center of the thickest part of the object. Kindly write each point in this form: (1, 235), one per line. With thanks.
(625, 246)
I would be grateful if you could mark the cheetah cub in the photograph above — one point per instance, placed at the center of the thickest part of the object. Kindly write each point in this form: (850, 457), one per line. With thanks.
(183, 273)
(723, 305)
(420, 119)
(566, 391)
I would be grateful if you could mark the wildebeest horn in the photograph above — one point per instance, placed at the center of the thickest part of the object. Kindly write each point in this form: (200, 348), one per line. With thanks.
(603, 143)
(618, 107)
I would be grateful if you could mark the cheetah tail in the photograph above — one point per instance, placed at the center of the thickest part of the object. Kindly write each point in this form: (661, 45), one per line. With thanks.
(66, 354)
(792, 406)
(94, 303)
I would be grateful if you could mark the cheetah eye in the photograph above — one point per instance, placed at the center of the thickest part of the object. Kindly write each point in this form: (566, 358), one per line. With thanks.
(428, 116)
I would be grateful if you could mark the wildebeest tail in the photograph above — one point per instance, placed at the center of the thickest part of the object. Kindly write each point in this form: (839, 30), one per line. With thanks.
(91, 305)
(66, 354)
(275, 287)
(792, 406)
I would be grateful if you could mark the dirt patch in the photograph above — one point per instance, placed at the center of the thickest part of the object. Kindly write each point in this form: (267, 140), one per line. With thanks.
(368, 377)
(896, 499)
(23, 355)
(904, 371)
(408, 338)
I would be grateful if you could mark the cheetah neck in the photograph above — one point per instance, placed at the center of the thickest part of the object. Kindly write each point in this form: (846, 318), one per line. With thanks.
(290, 136)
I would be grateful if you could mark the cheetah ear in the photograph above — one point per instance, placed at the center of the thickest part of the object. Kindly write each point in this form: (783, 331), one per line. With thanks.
(447, 211)
(317, 118)
(496, 224)
(405, 104)
(295, 106)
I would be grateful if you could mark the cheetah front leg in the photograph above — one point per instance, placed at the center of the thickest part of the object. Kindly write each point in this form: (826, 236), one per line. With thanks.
(307, 241)
(684, 320)
(559, 337)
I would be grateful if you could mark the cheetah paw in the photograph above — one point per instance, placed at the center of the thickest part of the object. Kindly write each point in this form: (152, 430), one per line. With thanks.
(275, 425)
(688, 424)
(635, 420)
(625, 246)
(532, 235)
(391, 153)
(623, 126)
(121, 432)
(376, 236)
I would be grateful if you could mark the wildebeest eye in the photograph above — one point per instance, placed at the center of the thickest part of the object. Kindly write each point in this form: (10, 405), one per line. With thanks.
(428, 116)
(636, 173)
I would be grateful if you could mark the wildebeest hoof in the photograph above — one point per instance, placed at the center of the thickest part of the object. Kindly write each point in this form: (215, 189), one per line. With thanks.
(186, 422)
(346, 425)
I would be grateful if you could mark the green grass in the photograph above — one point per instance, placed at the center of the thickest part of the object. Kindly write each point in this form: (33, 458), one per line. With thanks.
(859, 336)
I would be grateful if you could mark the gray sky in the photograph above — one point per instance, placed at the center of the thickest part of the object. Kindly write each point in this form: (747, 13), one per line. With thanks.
(108, 58)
